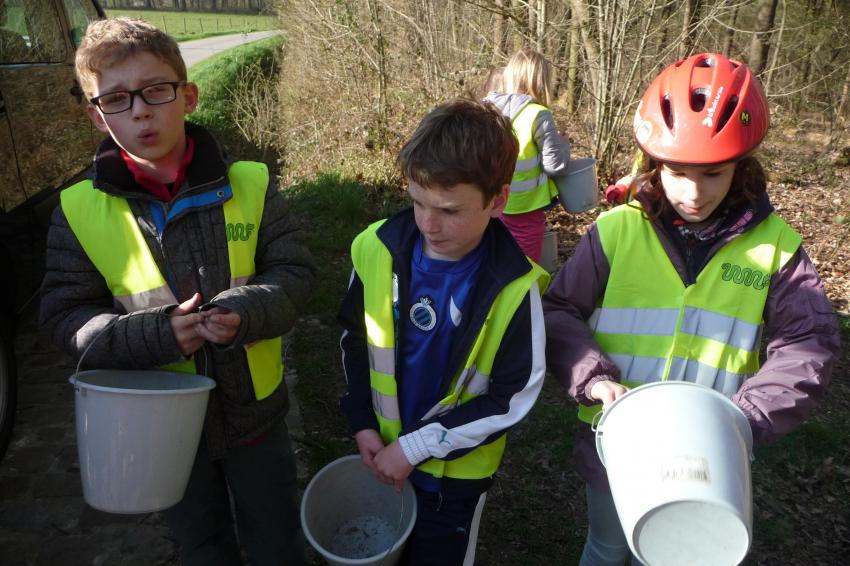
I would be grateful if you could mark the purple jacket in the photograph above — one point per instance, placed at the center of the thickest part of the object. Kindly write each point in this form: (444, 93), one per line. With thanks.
(799, 324)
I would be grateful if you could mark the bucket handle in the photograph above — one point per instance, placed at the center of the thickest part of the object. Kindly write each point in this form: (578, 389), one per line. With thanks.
(100, 333)
(594, 424)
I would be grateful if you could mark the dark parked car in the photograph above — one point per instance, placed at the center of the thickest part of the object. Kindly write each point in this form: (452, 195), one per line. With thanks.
(46, 144)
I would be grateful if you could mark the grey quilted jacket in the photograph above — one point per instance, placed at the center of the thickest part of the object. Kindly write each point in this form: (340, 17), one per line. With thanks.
(191, 251)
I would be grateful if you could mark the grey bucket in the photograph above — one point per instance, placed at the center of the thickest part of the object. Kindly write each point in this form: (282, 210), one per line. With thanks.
(578, 189)
(137, 436)
(346, 492)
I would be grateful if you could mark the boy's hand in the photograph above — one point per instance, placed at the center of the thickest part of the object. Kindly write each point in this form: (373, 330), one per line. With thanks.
(393, 465)
(607, 391)
(219, 325)
(184, 321)
(369, 443)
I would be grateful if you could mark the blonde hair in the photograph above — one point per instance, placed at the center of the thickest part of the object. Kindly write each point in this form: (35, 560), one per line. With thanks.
(528, 72)
(107, 42)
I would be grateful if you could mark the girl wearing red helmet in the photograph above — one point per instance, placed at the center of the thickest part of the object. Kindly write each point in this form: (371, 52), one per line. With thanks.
(682, 282)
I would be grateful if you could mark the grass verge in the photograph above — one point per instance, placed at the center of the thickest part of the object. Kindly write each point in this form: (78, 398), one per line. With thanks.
(219, 81)
(184, 26)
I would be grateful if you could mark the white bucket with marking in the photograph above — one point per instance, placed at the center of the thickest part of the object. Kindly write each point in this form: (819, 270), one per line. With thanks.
(352, 519)
(678, 461)
(578, 189)
(137, 436)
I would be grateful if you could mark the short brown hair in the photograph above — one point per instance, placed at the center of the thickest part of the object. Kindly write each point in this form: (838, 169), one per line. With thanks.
(749, 183)
(462, 141)
(109, 41)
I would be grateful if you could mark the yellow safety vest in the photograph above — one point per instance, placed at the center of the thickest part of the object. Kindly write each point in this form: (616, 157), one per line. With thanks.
(373, 264)
(531, 188)
(108, 232)
(657, 329)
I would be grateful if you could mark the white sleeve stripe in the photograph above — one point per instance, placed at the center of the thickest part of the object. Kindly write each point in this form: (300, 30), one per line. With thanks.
(440, 440)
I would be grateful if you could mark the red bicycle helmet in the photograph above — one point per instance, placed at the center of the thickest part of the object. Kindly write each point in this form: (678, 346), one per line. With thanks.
(701, 110)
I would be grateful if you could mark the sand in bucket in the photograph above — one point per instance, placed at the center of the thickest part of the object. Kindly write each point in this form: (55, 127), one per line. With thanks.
(362, 537)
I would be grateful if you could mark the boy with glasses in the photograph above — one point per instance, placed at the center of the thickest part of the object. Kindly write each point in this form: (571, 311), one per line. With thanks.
(173, 257)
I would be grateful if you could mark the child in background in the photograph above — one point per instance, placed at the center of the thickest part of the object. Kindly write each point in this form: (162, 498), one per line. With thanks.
(543, 152)
(493, 83)
(432, 388)
(174, 257)
(701, 244)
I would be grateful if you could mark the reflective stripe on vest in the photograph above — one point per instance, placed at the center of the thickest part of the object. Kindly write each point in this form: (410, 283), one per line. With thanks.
(373, 264)
(108, 232)
(656, 329)
(531, 188)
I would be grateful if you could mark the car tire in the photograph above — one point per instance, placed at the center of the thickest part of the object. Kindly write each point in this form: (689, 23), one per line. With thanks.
(8, 395)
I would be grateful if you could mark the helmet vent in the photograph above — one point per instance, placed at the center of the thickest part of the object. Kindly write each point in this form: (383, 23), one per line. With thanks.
(667, 112)
(705, 62)
(698, 98)
(728, 110)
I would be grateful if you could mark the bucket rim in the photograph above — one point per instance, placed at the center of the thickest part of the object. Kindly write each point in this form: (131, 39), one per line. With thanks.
(400, 540)
(736, 412)
(581, 164)
(207, 384)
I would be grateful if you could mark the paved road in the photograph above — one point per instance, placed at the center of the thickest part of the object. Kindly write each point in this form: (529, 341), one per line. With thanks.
(199, 49)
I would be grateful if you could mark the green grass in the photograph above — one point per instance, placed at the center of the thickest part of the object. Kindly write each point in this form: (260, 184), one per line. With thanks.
(333, 209)
(184, 26)
(218, 79)
(844, 325)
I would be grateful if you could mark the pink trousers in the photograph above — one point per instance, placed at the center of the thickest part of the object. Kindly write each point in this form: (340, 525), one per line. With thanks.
(527, 229)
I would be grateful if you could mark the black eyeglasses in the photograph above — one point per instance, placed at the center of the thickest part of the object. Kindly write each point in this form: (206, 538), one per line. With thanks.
(121, 100)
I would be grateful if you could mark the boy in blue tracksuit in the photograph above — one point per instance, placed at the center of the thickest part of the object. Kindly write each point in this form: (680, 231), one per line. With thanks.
(443, 347)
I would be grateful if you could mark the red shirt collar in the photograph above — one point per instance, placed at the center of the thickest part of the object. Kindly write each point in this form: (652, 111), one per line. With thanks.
(154, 186)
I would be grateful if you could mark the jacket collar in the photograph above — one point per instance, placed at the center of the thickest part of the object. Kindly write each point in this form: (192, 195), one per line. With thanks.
(504, 260)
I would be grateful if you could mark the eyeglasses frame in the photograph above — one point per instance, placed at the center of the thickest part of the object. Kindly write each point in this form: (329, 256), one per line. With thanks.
(95, 101)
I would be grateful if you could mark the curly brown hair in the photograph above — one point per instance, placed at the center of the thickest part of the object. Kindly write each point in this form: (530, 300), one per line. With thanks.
(749, 183)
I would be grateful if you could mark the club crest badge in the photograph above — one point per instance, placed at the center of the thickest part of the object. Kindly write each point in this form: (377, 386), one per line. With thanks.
(422, 314)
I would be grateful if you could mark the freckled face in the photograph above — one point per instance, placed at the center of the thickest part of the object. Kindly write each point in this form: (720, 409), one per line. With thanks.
(452, 219)
(696, 191)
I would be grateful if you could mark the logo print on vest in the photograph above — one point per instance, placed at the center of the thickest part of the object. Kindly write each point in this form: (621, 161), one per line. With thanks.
(745, 276)
(422, 314)
(238, 232)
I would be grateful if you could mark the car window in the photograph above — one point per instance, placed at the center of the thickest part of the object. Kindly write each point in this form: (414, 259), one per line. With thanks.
(29, 32)
(80, 13)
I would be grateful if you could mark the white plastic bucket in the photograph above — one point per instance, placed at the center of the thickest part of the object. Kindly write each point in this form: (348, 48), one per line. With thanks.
(342, 500)
(678, 461)
(578, 189)
(137, 436)
(549, 253)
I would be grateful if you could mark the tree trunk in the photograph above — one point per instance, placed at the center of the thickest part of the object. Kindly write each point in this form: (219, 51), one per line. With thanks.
(542, 25)
(760, 45)
(729, 33)
(572, 70)
(579, 10)
(500, 31)
(690, 21)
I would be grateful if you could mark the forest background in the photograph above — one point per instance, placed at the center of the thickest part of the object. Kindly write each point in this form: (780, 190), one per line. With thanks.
(355, 76)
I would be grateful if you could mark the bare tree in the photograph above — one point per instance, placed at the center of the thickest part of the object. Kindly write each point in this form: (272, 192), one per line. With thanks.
(760, 44)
